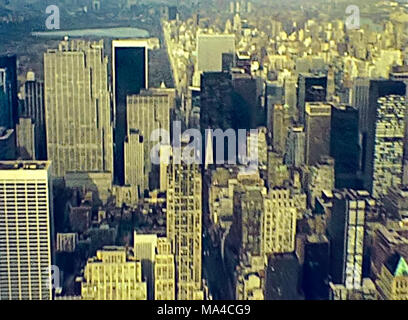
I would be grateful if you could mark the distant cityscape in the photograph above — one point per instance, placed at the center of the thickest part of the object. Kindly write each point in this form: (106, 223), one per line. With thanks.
(203, 150)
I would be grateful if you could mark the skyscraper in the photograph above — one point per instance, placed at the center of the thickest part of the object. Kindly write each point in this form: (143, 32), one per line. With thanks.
(346, 232)
(184, 227)
(389, 144)
(317, 129)
(295, 147)
(146, 112)
(368, 116)
(345, 146)
(33, 108)
(129, 75)
(25, 231)
(77, 103)
(210, 48)
(311, 88)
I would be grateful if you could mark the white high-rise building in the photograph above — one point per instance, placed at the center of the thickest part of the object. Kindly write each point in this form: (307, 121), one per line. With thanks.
(25, 230)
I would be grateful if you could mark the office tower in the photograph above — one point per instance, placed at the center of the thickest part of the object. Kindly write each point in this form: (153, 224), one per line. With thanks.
(8, 91)
(279, 222)
(7, 144)
(33, 107)
(345, 146)
(311, 88)
(295, 147)
(26, 139)
(25, 230)
(316, 268)
(210, 48)
(317, 130)
(217, 108)
(245, 102)
(393, 280)
(145, 251)
(164, 271)
(129, 76)
(346, 230)
(280, 124)
(113, 275)
(134, 161)
(320, 177)
(184, 227)
(389, 144)
(368, 120)
(146, 112)
(77, 104)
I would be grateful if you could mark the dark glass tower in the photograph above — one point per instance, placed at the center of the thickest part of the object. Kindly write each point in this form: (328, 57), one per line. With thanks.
(345, 147)
(130, 70)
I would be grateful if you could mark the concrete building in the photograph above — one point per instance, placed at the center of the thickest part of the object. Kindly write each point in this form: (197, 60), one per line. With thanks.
(210, 48)
(113, 275)
(134, 161)
(389, 144)
(145, 251)
(164, 271)
(78, 108)
(146, 112)
(184, 228)
(25, 230)
(279, 222)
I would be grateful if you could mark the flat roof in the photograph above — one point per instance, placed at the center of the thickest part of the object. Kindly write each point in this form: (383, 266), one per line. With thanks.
(24, 165)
